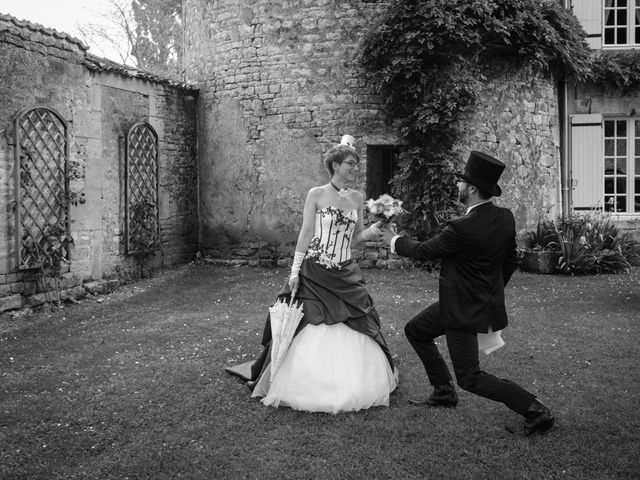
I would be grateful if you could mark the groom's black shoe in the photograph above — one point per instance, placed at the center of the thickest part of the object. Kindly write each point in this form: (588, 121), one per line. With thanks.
(442, 396)
(538, 418)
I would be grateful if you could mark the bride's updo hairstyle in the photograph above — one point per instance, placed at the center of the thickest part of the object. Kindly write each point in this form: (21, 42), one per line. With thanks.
(338, 154)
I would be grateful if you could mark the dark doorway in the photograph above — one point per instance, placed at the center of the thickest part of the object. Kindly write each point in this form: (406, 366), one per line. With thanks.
(382, 162)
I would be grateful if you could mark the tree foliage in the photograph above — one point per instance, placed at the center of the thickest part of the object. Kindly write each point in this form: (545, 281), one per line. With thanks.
(158, 44)
(429, 60)
(146, 34)
(114, 32)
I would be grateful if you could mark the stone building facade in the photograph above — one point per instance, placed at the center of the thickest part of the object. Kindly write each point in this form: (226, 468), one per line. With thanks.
(280, 82)
(272, 85)
(99, 101)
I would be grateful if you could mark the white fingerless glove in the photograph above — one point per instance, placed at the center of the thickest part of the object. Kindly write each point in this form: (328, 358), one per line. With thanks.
(375, 230)
(297, 262)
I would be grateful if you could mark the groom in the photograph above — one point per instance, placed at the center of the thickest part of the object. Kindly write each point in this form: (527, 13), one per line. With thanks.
(478, 252)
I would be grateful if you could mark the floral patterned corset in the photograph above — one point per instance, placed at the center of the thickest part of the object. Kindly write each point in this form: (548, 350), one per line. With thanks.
(331, 242)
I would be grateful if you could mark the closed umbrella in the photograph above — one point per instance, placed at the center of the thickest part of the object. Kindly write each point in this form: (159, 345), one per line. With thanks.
(285, 318)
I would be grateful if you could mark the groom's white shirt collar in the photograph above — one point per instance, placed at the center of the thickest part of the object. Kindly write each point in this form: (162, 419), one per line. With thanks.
(474, 206)
(393, 240)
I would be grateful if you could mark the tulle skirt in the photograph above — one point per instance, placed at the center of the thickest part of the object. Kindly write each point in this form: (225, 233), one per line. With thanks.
(329, 368)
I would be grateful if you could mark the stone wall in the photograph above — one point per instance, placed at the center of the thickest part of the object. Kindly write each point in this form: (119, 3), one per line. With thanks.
(517, 121)
(280, 83)
(100, 101)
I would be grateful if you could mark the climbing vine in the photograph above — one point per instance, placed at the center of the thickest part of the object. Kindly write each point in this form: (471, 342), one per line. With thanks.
(430, 59)
(617, 69)
(144, 240)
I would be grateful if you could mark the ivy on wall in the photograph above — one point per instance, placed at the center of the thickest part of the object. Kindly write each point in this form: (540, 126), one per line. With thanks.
(617, 69)
(429, 60)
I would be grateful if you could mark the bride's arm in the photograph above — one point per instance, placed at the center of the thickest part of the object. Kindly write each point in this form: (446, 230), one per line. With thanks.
(304, 237)
(308, 220)
(361, 234)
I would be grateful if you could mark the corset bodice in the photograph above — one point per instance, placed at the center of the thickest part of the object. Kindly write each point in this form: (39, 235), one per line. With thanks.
(331, 242)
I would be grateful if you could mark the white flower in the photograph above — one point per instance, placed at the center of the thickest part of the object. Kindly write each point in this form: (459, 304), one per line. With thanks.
(386, 206)
(389, 211)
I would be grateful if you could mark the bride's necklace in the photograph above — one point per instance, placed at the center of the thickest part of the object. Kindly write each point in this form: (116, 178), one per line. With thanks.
(342, 192)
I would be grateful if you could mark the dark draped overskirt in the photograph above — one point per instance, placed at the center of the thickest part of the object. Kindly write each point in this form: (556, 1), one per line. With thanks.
(329, 295)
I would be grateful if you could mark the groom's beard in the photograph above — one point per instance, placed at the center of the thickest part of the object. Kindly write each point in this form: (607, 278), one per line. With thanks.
(463, 195)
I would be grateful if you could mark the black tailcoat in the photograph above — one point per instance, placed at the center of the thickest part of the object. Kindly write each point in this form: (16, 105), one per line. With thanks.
(478, 256)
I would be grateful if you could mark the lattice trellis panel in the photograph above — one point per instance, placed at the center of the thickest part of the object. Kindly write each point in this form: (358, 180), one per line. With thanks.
(141, 194)
(41, 184)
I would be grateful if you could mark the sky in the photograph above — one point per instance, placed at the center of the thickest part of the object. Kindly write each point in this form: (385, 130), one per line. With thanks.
(62, 15)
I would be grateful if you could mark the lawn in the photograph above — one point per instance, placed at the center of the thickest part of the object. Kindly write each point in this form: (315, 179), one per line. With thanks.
(131, 385)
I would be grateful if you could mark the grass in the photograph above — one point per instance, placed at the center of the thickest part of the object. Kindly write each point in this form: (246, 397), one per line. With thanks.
(133, 387)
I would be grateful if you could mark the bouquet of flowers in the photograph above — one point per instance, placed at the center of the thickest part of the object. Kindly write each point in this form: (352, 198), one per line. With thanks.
(384, 208)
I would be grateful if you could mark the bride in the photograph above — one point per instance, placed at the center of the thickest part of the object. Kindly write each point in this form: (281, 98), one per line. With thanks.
(338, 361)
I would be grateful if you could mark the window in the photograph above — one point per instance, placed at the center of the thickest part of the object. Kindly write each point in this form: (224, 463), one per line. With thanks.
(382, 161)
(622, 165)
(621, 22)
(605, 163)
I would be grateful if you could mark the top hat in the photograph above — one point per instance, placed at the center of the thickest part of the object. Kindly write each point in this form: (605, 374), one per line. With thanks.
(483, 171)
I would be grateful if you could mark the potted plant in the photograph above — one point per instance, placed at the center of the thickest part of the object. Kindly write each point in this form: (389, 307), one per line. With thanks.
(540, 254)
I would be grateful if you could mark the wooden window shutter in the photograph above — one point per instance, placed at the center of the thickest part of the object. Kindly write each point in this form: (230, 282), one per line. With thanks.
(587, 173)
(589, 12)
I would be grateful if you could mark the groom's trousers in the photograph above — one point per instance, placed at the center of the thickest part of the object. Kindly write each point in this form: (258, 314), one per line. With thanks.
(421, 331)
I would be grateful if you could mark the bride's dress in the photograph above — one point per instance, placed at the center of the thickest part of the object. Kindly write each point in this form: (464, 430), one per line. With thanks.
(339, 361)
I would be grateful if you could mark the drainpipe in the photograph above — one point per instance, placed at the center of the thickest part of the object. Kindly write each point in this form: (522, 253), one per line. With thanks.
(565, 164)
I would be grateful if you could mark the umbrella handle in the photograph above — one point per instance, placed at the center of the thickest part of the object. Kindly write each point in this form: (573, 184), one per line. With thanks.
(293, 294)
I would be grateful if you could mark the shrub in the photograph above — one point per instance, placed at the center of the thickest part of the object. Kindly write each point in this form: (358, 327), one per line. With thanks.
(586, 244)
(544, 235)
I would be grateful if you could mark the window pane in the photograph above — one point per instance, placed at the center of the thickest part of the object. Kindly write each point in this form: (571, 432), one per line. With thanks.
(621, 147)
(621, 36)
(609, 36)
(637, 166)
(621, 204)
(608, 166)
(608, 128)
(621, 166)
(608, 3)
(608, 185)
(637, 129)
(608, 204)
(637, 142)
(621, 185)
(637, 186)
(637, 209)
(608, 147)
(622, 17)
(621, 128)
(609, 18)
(622, 3)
